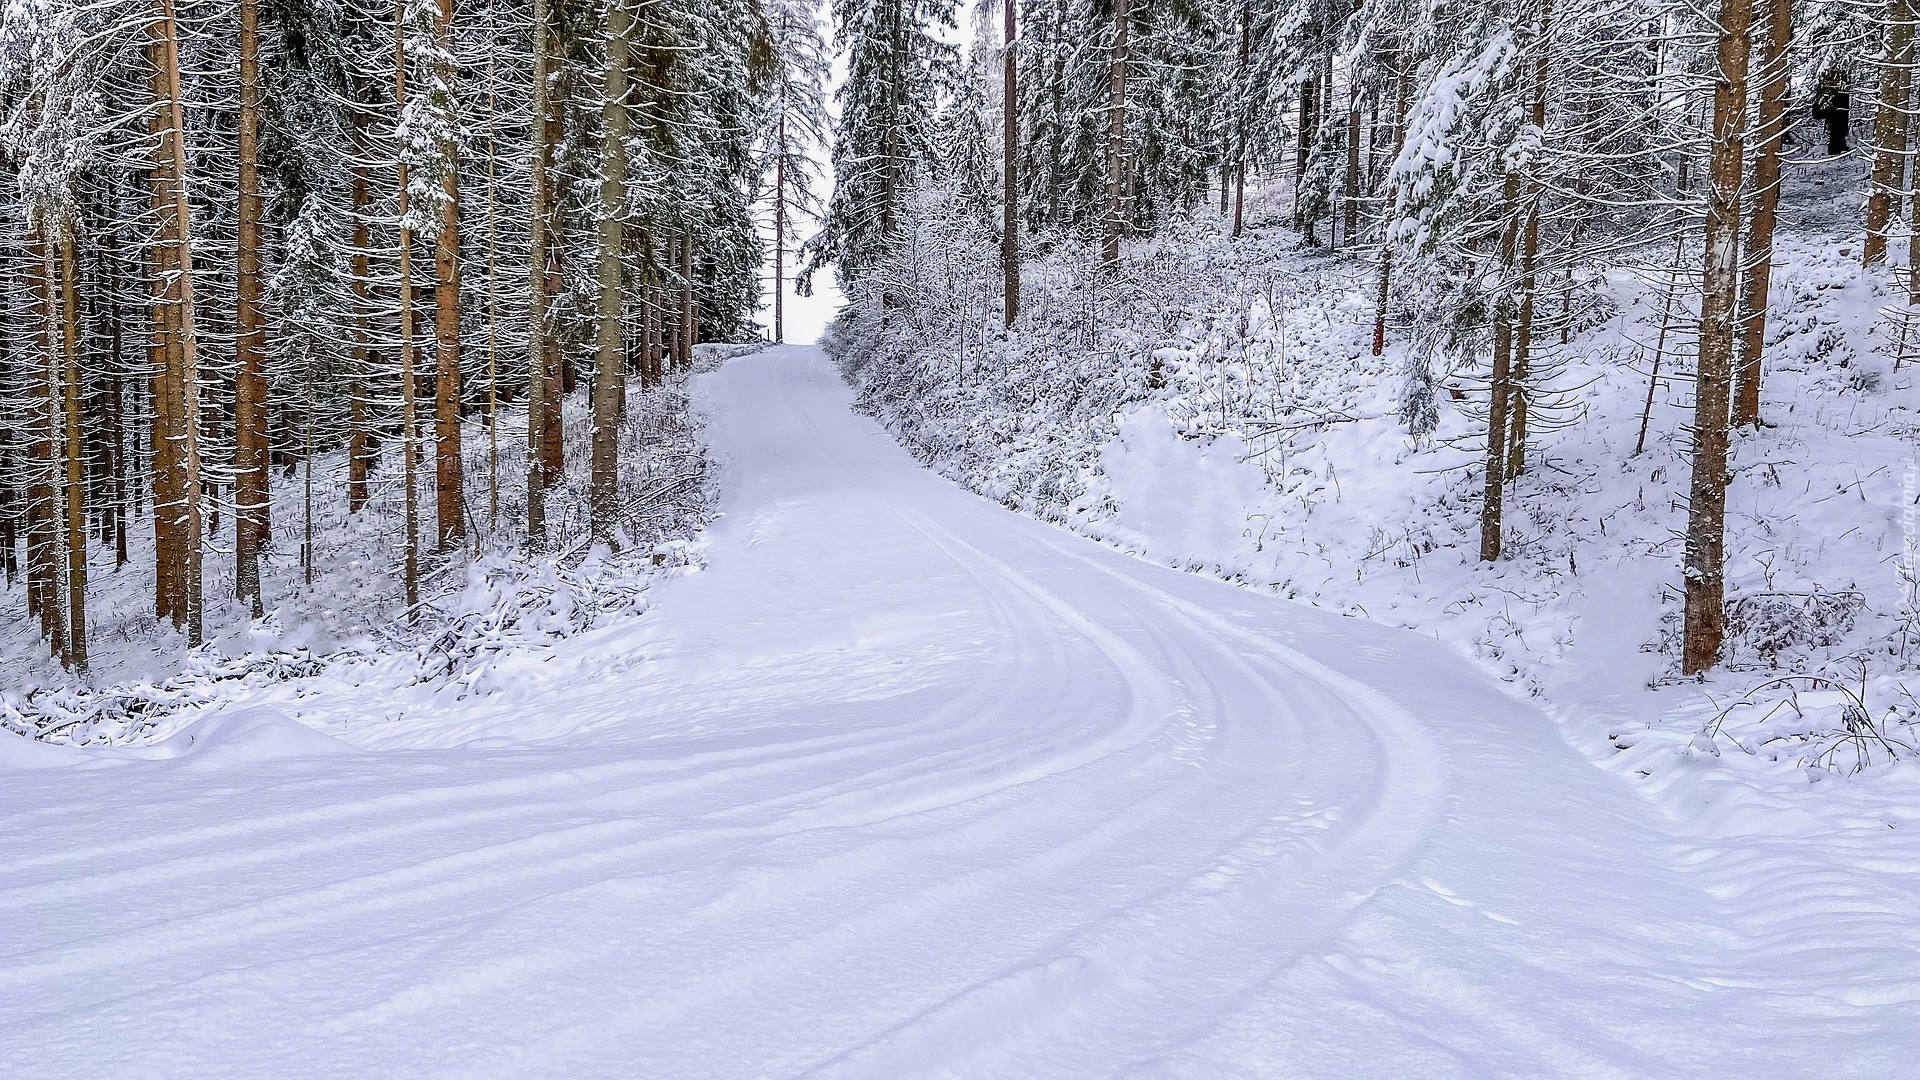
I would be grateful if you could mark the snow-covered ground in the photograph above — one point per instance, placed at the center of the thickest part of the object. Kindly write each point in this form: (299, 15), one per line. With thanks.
(904, 784)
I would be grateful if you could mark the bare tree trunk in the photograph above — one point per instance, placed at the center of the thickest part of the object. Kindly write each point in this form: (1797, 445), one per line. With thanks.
(540, 313)
(74, 655)
(448, 483)
(1116, 215)
(609, 365)
(1239, 163)
(177, 511)
(1350, 223)
(493, 314)
(1500, 388)
(1529, 264)
(43, 545)
(359, 448)
(685, 359)
(1010, 155)
(410, 431)
(1386, 241)
(1523, 339)
(1766, 200)
(1705, 623)
(251, 498)
(780, 233)
(1889, 129)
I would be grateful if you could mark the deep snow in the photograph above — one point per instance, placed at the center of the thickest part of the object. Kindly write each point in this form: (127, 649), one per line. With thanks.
(905, 784)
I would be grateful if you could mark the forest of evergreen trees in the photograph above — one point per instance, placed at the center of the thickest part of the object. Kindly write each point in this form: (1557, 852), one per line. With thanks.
(237, 236)
(1489, 163)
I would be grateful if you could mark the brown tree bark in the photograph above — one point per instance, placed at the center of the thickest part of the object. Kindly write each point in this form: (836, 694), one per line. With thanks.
(449, 476)
(410, 432)
(44, 597)
(1386, 244)
(609, 365)
(1889, 129)
(1705, 565)
(1771, 132)
(74, 641)
(359, 444)
(177, 510)
(1529, 262)
(540, 339)
(251, 495)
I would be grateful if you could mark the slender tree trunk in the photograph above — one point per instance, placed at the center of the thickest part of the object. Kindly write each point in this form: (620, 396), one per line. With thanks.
(780, 232)
(177, 510)
(359, 445)
(1889, 129)
(609, 365)
(1529, 264)
(1523, 338)
(75, 639)
(251, 499)
(1239, 163)
(685, 359)
(1386, 241)
(1492, 505)
(540, 314)
(410, 431)
(448, 486)
(1705, 623)
(43, 513)
(1116, 215)
(493, 313)
(1010, 155)
(1766, 200)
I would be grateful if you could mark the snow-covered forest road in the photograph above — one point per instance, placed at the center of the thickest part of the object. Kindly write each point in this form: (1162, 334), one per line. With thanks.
(907, 785)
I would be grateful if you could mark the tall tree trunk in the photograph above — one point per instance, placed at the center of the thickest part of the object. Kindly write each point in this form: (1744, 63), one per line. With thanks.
(1523, 338)
(539, 311)
(493, 313)
(1889, 128)
(609, 364)
(1529, 262)
(1010, 155)
(1116, 209)
(177, 511)
(74, 655)
(43, 513)
(448, 486)
(1386, 241)
(1766, 200)
(359, 444)
(1705, 623)
(1350, 195)
(1500, 387)
(685, 359)
(780, 231)
(1239, 163)
(251, 499)
(410, 431)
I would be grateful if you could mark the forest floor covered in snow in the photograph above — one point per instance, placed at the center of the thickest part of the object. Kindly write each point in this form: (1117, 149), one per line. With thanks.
(1217, 408)
(480, 601)
(904, 784)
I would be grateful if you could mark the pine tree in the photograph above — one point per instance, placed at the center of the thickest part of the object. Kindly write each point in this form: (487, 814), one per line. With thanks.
(888, 110)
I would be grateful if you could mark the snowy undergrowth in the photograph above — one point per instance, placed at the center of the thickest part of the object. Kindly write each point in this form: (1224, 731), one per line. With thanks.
(1217, 407)
(480, 603)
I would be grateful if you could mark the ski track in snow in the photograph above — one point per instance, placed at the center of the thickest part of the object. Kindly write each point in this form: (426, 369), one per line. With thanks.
(907, 785)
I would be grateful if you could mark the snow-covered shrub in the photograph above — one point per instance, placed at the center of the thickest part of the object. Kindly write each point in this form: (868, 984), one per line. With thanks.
(82, 715)
(1765, 626)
